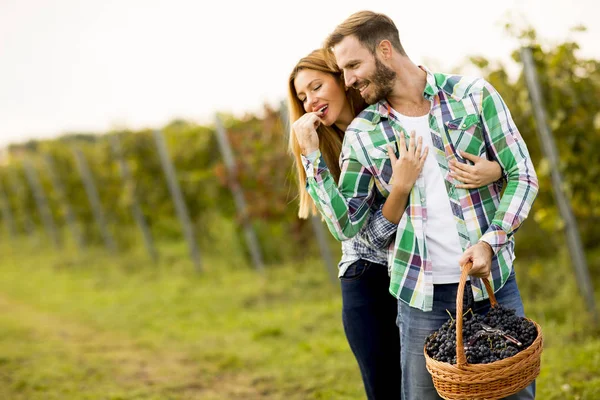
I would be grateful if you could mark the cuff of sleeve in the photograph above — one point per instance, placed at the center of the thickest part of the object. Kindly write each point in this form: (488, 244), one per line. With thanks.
(314, 165)
(495, 237)
(310, 161)
(312, 157)
(384, 224)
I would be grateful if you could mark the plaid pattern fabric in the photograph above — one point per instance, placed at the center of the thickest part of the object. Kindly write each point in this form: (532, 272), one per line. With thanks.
(372, 240)
(369, 244)
(467, 114)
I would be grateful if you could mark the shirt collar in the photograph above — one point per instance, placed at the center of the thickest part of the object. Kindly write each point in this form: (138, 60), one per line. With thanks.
(431, 87)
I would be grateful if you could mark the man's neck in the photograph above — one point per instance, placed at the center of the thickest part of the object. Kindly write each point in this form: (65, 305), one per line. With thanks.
(407, 95)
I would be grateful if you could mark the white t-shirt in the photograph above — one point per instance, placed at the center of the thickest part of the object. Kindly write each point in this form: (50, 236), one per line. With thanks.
(441, 234)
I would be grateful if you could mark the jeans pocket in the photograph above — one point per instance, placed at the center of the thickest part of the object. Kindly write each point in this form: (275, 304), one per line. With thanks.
(355, 270)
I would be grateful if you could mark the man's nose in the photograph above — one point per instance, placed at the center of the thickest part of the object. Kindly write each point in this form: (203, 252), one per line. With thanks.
(349, 79)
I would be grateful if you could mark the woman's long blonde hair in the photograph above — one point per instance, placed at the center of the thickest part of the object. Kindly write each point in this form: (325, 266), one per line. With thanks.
(330, 137)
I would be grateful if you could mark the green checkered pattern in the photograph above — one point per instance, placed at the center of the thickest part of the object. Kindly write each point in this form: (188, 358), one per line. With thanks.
(468, 115)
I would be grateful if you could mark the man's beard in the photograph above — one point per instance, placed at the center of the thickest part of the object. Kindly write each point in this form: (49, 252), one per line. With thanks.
(381, 82)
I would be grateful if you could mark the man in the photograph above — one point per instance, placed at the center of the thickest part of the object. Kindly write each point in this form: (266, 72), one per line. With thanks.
(441, 227)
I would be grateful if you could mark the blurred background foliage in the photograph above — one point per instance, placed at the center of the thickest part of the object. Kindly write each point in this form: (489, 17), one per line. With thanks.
(296, 312)
(571, 89)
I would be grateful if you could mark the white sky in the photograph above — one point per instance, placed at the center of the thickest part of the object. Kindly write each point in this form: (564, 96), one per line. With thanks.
(90, 65)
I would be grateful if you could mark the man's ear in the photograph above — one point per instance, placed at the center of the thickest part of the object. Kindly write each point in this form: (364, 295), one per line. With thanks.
(385, 49)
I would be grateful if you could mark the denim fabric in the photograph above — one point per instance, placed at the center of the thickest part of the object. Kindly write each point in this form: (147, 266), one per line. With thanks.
(369, 318)
(416, 325)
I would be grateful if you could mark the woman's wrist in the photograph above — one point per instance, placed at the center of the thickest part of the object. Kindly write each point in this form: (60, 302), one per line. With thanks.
(401, 188)
(308, 151)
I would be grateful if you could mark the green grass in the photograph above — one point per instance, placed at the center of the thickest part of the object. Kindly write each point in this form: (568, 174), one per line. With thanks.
(93, 326)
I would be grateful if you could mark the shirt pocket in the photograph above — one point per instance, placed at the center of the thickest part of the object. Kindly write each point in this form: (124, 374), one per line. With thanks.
(381, 165)
(465, 134)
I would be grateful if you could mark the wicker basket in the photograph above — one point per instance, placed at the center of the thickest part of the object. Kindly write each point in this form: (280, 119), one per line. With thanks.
(483, 381)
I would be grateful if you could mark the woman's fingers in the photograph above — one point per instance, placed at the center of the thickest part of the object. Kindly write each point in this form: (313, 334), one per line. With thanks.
(402, 148)
(464, 177)
(315, 120)
(391, 154)
(467, 186)
(305, 129)
(419, 147)
(455, 165)
(411, 143)
(423, 157)
(469, 156)
(307, 121)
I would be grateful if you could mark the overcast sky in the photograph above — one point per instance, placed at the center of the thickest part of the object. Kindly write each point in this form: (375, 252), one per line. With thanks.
(92, 65)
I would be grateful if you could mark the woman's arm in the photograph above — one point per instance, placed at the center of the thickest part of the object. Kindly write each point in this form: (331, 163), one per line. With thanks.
(406, 169)
(345, 207)
(379, 231)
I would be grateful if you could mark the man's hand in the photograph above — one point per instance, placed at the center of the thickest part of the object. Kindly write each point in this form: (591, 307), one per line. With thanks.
(480, 255)
(305, 129)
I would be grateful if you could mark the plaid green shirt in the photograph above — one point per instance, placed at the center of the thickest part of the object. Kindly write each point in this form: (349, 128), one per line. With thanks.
(467, 114)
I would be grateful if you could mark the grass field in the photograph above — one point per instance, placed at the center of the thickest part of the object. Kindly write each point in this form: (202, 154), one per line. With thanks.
(99, 327)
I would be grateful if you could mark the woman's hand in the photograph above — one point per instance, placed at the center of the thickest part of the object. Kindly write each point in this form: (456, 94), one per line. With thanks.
(407, 167)
(305, 129)
(482, 173)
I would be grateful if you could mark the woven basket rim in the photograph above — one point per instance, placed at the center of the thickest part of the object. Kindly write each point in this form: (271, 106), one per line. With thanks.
(500, 364)
(463, 380)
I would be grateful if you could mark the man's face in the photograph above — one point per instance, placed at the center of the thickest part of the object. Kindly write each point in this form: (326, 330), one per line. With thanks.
(363, 71)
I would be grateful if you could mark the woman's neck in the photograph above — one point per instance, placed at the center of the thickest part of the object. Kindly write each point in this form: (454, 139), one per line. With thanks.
(345, 118)
(341, 126)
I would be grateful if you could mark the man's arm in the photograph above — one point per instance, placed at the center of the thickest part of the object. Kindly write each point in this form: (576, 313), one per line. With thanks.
(505, 142)
(345, 206)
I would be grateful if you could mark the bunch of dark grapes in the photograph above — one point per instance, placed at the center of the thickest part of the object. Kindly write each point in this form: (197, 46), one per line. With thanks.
(515, 326)
(482, 347)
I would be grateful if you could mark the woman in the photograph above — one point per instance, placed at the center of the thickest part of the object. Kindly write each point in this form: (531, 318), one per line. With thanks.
(319, 101)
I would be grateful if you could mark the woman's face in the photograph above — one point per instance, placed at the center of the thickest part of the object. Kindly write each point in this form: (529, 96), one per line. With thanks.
(318, 90)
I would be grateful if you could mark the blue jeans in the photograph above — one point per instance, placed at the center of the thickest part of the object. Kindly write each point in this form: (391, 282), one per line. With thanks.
(416, 325)
(369, 318)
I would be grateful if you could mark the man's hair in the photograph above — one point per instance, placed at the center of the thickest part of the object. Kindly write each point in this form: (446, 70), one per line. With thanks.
(369, 28)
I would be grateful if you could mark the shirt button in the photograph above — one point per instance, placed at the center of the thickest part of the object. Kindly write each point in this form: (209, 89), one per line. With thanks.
(422, 200)
(464, 125)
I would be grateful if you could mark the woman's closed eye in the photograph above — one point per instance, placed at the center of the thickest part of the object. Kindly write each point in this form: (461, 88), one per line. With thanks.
(314, 89)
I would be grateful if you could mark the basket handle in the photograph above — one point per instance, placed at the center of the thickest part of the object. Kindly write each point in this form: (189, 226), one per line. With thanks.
(461, 359)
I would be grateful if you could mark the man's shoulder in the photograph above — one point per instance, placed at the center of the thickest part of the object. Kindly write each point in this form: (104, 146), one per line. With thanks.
(364, 128)
(366, 121)
(459, 86)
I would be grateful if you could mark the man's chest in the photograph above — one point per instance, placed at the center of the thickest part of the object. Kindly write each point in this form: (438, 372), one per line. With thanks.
(450, 127)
